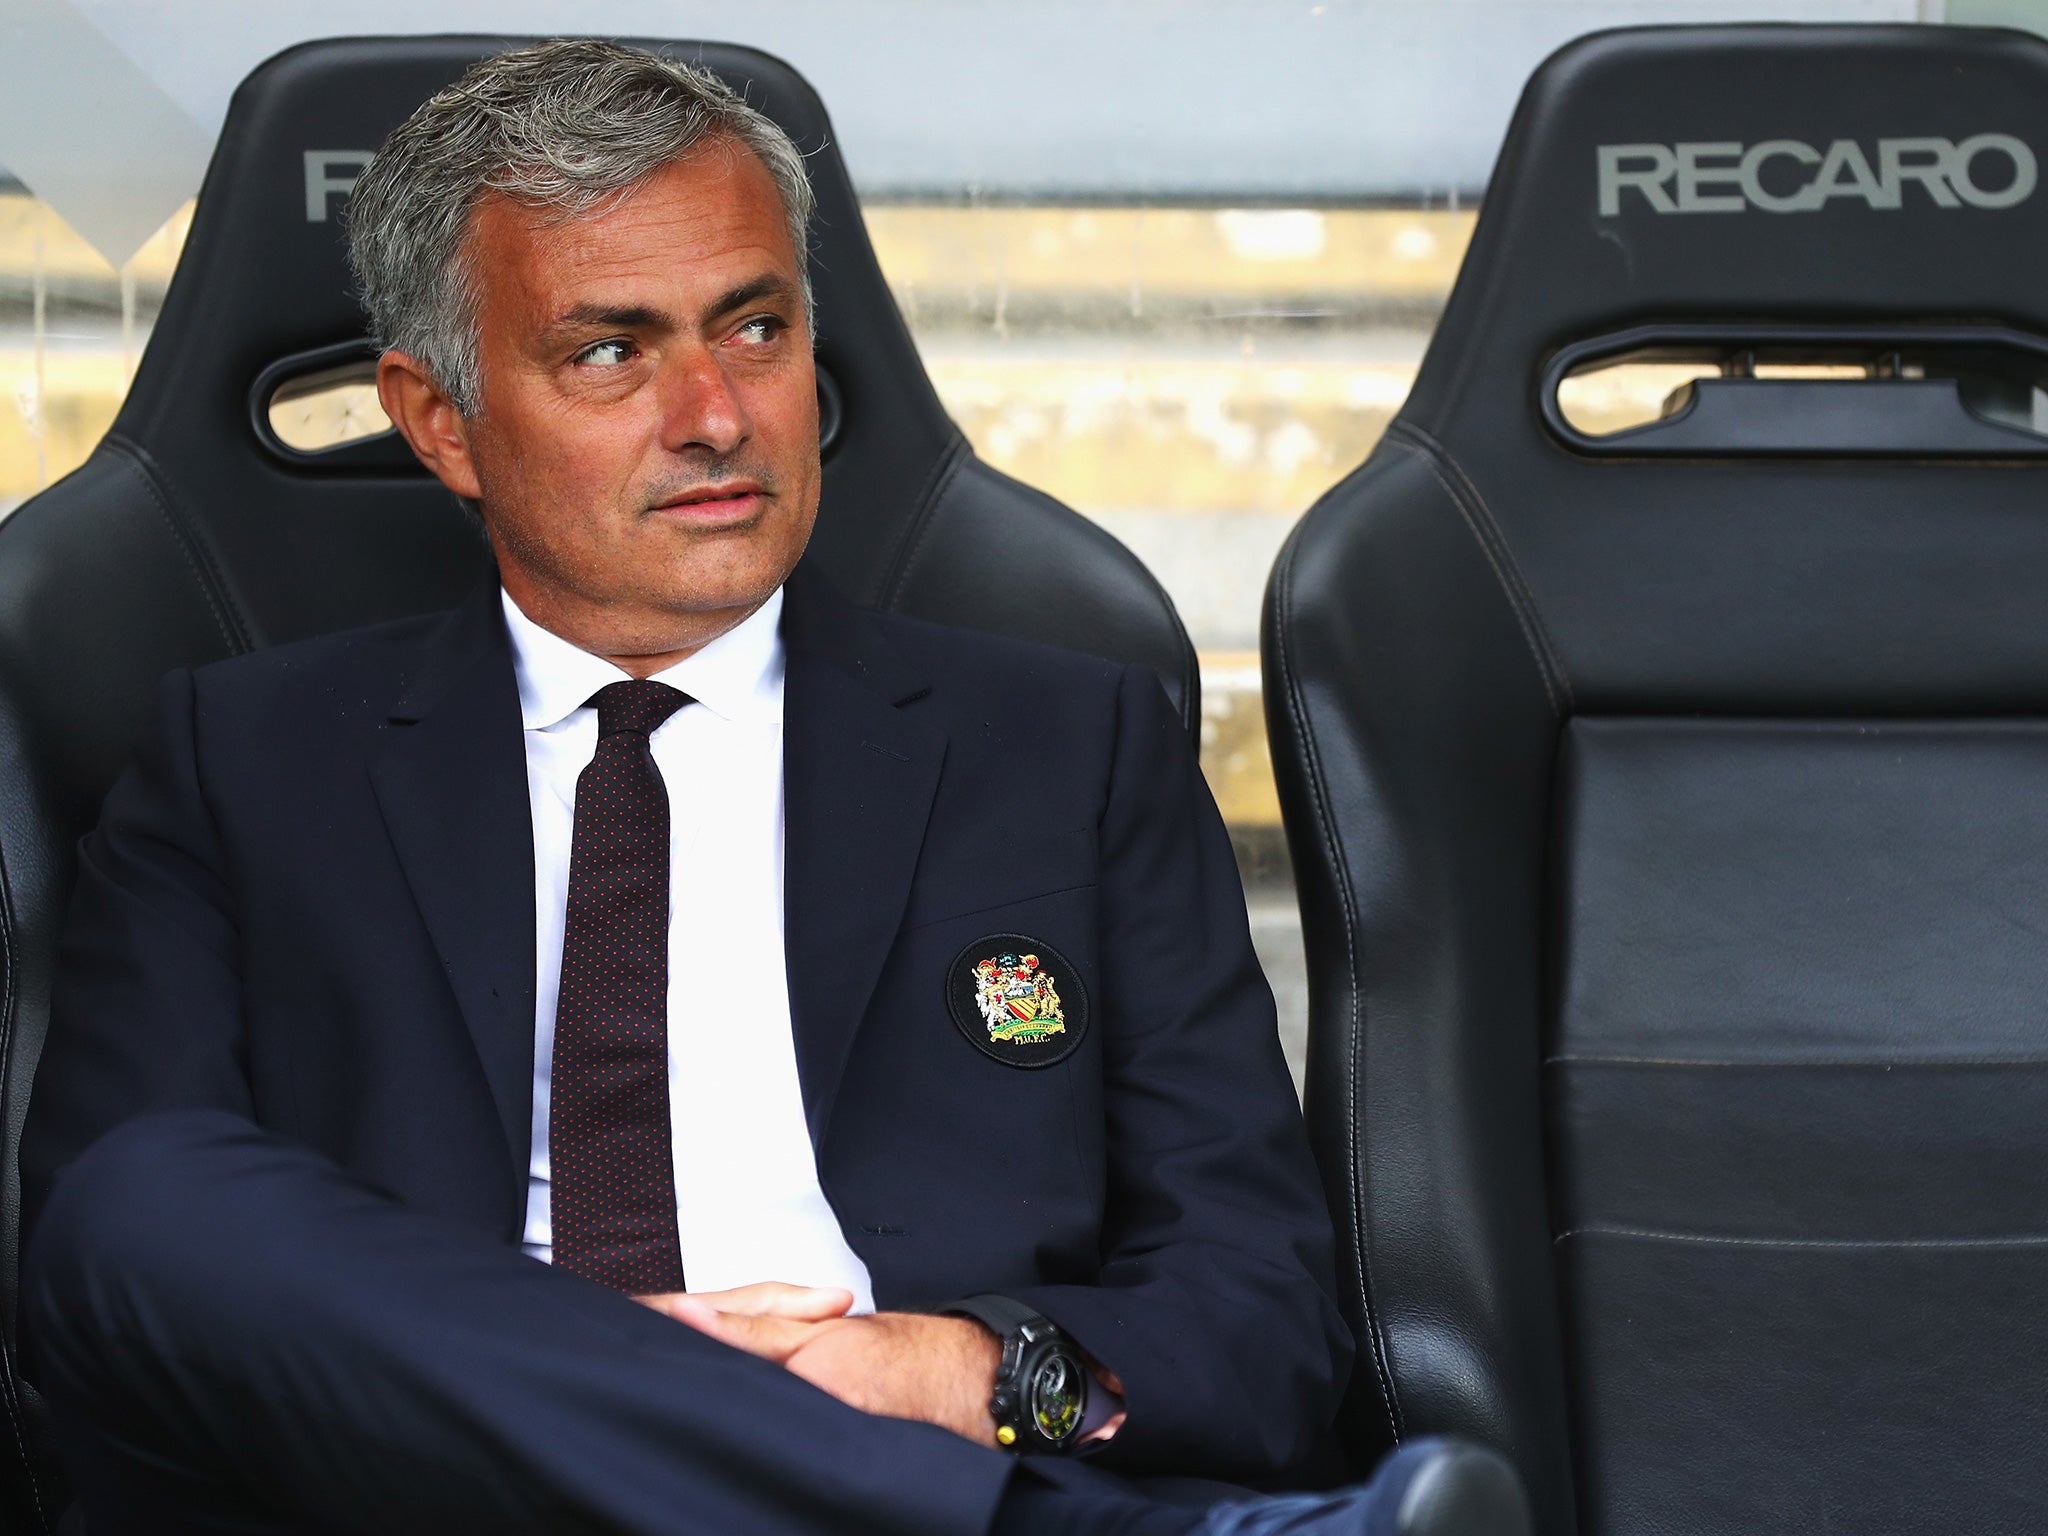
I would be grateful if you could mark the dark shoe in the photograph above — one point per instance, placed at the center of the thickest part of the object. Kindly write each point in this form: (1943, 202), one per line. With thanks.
(1431, 1487)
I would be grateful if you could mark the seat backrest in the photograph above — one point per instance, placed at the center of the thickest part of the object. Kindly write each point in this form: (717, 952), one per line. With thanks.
(1670, 807)
(194, 532)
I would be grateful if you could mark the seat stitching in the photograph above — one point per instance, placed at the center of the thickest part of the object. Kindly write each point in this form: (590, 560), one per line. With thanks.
(1473, 509)
(1874, 1063)
(897, 576)
(1354, 1183)
(1486, 528)
(922, 526)
(1654, 1234)
(10, 1002)
(35, 1494)
(10, 990)
(212, 589)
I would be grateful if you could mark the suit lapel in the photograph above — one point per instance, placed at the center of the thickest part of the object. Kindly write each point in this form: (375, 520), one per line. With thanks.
(451, 783)
(859, 774)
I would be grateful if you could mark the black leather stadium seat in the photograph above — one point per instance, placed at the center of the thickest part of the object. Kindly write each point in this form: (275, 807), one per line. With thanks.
(193, 533)
(1670, 808)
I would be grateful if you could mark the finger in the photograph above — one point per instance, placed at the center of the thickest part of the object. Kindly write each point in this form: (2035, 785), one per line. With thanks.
(775, 1298)
(768, 1298)
(1107, 1430)
(772, 1338)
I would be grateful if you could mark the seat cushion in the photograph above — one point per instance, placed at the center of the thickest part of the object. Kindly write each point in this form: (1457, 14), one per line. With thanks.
(1797, 1081)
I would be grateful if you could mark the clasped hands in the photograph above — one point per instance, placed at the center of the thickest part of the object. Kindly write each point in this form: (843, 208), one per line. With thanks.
(905, 1365)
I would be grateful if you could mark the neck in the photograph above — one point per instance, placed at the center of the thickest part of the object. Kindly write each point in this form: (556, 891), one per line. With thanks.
(640, 646)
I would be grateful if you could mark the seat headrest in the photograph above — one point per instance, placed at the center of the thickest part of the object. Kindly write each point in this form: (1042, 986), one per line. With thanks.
(1862, 200)
(1762, 171)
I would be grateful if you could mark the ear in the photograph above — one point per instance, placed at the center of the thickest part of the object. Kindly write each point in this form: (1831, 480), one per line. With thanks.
(428, 420)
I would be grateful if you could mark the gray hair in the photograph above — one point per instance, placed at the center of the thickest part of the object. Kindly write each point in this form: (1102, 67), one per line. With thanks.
(561, 127)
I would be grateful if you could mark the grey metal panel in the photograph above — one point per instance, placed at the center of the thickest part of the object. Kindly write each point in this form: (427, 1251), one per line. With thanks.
(1195, 99)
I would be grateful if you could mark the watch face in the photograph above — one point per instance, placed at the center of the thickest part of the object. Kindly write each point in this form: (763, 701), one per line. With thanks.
(1056, 1396)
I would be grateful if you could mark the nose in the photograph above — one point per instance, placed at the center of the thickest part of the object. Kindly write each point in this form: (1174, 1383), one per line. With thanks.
(700, 406)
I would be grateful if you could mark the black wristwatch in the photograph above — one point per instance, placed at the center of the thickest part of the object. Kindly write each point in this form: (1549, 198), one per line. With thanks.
(1046, 1401)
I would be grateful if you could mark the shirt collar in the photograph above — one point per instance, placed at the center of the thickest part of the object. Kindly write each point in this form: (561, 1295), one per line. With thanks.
(738, 676)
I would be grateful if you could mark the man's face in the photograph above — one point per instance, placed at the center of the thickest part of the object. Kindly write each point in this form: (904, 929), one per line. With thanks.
(645, 446)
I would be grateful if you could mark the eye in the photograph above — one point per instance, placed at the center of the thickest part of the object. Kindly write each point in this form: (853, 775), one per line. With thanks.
(608, 353)
(760, 329)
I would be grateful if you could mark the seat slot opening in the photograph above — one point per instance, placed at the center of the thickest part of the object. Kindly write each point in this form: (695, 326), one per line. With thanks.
(1696, 391)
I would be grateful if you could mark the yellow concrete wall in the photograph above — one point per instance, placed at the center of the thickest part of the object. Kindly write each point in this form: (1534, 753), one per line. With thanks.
(61, 382)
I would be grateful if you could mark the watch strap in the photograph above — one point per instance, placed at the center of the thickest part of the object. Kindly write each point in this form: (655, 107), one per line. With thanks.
(1000, 1315)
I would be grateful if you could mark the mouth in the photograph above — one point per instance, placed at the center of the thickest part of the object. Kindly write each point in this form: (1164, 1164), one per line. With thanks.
(715, 506)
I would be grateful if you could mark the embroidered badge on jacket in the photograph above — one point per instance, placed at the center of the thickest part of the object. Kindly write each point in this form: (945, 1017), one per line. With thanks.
(1018, 1000)
(1017, 996)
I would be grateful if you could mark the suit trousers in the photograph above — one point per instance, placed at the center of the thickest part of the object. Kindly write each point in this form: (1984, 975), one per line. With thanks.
(236, 1336)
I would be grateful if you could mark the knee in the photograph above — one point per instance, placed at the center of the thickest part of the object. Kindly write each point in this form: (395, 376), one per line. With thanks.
(121, 1218)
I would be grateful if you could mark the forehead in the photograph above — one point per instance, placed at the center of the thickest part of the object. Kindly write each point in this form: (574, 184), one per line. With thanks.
(700, 221)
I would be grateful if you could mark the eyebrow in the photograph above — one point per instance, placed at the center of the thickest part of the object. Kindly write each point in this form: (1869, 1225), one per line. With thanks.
(634, 317)
(624, 317)
(769, 285)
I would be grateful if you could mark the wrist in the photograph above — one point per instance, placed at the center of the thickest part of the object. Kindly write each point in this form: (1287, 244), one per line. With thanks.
(1047, 1397)
(977, 1357)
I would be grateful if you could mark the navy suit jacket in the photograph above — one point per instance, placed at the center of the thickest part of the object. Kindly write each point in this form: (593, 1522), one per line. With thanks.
(310, 901)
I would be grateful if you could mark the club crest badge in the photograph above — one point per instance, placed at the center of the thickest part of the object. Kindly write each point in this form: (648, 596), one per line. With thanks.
(1017, 1000)
(1016, 996)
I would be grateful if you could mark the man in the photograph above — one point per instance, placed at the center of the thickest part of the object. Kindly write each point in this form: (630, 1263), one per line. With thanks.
(737, 953)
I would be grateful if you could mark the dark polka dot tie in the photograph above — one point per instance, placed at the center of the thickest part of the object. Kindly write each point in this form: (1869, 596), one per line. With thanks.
(611, 1173)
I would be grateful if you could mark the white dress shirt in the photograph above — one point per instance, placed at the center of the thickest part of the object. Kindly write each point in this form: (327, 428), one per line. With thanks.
(748, 1204)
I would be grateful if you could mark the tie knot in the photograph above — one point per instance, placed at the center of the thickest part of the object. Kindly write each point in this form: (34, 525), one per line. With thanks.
(637, 706)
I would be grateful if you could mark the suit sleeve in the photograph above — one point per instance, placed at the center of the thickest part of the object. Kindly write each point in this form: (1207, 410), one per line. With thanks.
(146, 1010)
(1216, 1297)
